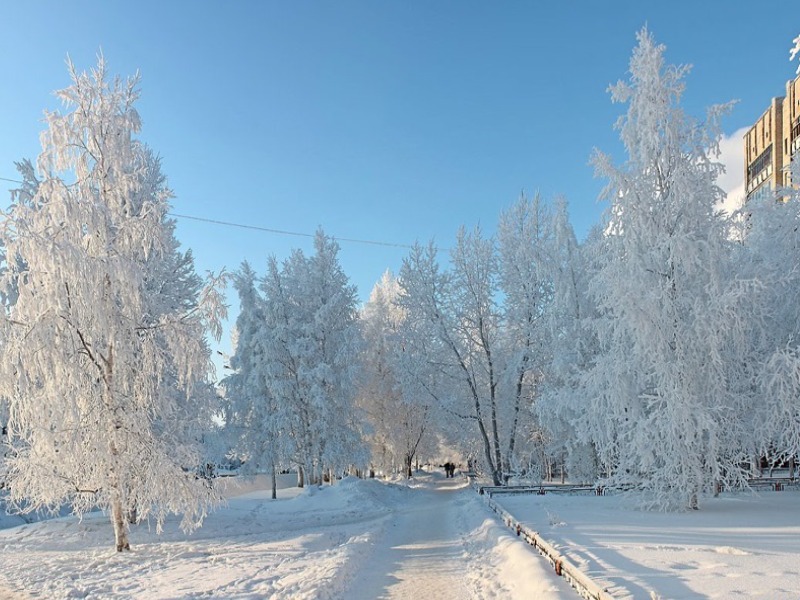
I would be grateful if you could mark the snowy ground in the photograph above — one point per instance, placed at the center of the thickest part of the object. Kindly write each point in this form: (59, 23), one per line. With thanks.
(357, 539)
(434, 538)
(737, 546)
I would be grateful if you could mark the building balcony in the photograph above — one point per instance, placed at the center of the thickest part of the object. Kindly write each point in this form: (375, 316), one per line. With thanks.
(760, 177)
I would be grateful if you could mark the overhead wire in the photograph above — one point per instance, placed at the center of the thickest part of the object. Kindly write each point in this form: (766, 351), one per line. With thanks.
(295, 233)
(268, 229)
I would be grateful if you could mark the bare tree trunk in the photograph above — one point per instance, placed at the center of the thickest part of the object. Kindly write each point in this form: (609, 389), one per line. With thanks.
(487, 447)
(316, 475)
(117, 512)
(498, 457)
(274, 481)
(487, 450)
(120, 526)
(755, 467)
(512, 437)
(301, 480)
(487, 350)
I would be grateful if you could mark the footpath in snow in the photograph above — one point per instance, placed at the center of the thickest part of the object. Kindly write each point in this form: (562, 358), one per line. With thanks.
(422, 551)
(358, 539)
(442, 543)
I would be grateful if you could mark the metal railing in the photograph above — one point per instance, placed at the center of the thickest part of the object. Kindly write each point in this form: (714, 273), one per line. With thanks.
(582, 583)
(550, 488)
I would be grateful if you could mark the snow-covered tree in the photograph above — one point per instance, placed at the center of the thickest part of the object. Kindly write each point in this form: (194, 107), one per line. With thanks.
(525, 240)
(477, 325)
(572, 346)
(455, 315)
(296, 362)
(105, 360)
(770, 243)
(254, 419)
(399, 417)
(660, 386)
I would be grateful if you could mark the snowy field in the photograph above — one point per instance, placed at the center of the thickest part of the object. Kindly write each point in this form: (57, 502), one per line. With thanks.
(737, 546)
(433, 538)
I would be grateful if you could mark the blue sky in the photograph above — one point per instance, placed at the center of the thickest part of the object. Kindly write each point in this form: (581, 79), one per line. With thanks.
(377, 120)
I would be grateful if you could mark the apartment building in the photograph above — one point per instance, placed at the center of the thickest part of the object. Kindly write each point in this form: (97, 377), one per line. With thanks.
(771, 142)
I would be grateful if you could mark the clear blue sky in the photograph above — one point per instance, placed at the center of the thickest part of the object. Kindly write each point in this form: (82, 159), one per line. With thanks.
(378, 120)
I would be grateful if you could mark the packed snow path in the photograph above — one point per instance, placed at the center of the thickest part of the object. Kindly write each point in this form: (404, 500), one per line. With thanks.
(422, 554)
(441, 542)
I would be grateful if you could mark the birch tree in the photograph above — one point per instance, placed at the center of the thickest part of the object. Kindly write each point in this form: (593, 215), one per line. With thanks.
(333, 338)
(660, 385)
(525, 253)
(768, 254)
(454, 320)
(399, 417)
(572, 346)
(256, 422)
(305, 353)
(484, 329)
(105, 360)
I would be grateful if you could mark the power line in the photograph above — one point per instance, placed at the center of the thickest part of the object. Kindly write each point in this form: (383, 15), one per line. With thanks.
(295, 233)
(267, 229)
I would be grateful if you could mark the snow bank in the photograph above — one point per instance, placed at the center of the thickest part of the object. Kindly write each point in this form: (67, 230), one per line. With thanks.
(300, 546)
(736, 546)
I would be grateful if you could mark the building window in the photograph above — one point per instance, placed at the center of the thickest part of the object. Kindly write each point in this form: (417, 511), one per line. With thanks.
(759, 164)
(762, 192)
(795, 130)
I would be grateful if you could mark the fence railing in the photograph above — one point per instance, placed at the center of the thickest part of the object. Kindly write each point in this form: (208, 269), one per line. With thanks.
(582, 583)
(778, 484)
(589, 490)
